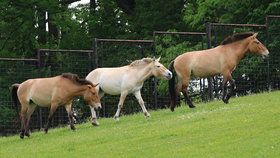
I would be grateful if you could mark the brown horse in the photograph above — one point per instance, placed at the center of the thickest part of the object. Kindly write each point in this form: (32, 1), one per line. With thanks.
(52, 92)
(207, 63)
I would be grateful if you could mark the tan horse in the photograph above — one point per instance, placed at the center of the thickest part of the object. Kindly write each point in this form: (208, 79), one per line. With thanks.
(206, 63)
(126, 80)
(52, 92)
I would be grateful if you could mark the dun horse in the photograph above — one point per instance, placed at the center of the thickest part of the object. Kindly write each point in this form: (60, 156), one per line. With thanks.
(52, 92)
(126, 80)
(206, 63)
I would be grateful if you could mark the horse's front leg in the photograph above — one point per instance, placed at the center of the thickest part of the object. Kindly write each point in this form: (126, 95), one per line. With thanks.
(121, 101)
(138, 96)
(68, 108)
(227, 77)
(232, 90)
(94, 117)
(94, 121)
(52, 110)
(224, 91)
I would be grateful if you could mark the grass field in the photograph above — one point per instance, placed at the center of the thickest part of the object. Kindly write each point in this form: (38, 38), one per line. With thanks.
(246, 127)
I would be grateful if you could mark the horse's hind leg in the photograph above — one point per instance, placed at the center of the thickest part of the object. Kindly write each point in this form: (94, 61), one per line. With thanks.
(30, 111)
(185, 84)
(122, 98)
(187, 97)
(178, 89)
(52, 110)
(138, 96)
(68, 108)
(24, 108)
(227, 77)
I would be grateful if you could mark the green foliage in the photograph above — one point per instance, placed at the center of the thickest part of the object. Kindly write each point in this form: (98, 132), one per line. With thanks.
(243, 128)
(7, 116)
(224, 11)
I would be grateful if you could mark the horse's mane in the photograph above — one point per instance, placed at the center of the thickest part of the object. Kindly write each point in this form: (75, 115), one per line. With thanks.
(236, 37)
(75, 78)
(142, 61)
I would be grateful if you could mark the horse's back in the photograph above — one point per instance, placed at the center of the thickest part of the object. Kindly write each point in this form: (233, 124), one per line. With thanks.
(110, 80)
(38, 90)
(202, 63)
(106, 73)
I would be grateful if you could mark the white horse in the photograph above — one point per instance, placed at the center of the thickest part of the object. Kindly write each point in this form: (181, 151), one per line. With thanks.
(126, 80)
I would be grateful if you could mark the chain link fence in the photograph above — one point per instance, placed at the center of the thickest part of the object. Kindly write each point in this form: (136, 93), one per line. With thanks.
(252, 75)
(273, 44)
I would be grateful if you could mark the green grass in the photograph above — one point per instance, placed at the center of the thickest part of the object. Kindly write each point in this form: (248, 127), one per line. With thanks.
(246, 127)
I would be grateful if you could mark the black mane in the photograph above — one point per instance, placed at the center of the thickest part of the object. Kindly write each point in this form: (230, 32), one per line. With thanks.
(75, 78)
(236, 37)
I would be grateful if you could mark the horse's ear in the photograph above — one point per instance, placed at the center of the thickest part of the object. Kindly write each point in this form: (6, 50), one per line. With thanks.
(158, 59)
(154, 58)
(255, 35)
(96, 85)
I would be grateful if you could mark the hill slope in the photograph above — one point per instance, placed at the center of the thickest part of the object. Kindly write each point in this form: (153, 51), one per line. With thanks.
(246, 127)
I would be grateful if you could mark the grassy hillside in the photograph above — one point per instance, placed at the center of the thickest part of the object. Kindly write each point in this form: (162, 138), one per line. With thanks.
(247, 127)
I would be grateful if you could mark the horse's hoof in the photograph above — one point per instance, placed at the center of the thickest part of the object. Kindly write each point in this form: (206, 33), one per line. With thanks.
(192, 106)
(225, 101)
(27, 134)
(95, 123)
(147, 114)
(116, 118)
(46, 130)
(21, 135)
(73, 128)
(172, 109)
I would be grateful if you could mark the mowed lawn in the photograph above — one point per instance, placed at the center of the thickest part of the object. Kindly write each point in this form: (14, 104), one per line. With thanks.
(246, 127)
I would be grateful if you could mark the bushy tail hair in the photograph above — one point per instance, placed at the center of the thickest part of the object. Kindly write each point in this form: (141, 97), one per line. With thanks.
(171, 87)
(14, 95)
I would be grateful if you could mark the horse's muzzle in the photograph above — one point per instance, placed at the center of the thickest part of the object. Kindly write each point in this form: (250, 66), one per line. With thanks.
(265, 54)
(168, 75)
(97, 106)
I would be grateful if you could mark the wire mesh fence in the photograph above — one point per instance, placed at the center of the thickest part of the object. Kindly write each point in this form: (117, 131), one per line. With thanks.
(273, 44)
(252, 75)
(14, 71)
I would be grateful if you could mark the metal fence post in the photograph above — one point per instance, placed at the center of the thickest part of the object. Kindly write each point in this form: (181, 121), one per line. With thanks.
(39, 64)
(95, 53)
(209, 80)
(268, 63)
(155, 80)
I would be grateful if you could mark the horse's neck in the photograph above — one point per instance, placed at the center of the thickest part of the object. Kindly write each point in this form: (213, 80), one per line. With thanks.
(238, 50)
(78, 90)
(144, 73)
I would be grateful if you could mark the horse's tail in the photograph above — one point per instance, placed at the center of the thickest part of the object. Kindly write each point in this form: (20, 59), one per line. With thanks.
(171, 87)
(14, 95)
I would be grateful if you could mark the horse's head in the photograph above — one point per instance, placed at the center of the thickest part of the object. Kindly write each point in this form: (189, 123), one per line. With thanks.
(91, 97)
(256, 47)
(159, 71)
